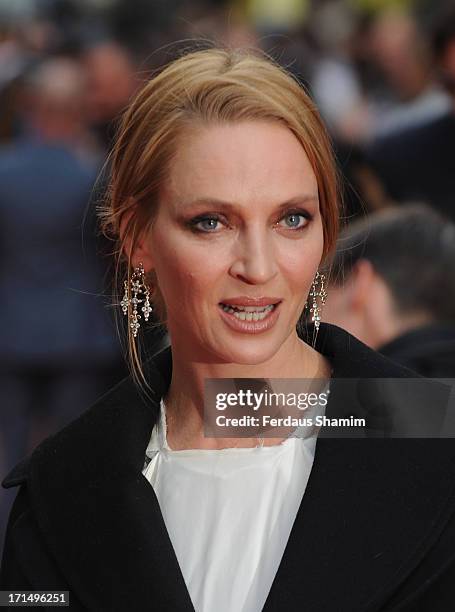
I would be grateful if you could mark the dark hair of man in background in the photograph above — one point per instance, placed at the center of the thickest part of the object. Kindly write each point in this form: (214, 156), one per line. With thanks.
(412, 248)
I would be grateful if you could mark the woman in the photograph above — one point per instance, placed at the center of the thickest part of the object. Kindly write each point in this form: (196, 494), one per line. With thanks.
(224, 198)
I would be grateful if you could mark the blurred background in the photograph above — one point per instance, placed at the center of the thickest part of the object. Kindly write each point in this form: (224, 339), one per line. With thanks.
(383, 75)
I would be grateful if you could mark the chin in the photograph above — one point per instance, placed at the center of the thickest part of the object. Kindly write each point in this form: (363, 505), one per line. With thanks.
(249, 352)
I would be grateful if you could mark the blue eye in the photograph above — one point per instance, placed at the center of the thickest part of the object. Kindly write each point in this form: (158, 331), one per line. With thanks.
(209, 224)
(297, 220)
(206, 224)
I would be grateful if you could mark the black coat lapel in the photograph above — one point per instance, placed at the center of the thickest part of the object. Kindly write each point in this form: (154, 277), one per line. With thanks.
(371, 510)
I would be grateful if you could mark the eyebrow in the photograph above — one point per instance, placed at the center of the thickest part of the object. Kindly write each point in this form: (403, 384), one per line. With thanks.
(229, 206)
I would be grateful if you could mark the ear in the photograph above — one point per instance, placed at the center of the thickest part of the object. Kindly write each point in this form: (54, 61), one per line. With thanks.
(361, 281)
(140, 251)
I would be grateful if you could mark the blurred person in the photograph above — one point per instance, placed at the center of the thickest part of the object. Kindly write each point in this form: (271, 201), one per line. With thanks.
(224, 204)
(393, 287)
(55, 110)
(418, 164)
(57, 348)
(341, 96)
(379, 65)
(111, 81)
(400, 50)
(334, 26)
(346, 112)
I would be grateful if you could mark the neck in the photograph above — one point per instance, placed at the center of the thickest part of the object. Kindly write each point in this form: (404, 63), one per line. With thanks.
(185, 398)
(400, 325)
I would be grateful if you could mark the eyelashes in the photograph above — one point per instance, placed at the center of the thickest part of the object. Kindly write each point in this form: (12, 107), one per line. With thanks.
(298, 213)
(212, 221)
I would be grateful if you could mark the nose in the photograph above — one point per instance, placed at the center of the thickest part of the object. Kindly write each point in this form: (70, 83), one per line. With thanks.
(254, 257)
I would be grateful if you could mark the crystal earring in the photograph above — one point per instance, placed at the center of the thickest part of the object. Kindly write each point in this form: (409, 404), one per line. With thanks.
(317, 290)
(136, 287)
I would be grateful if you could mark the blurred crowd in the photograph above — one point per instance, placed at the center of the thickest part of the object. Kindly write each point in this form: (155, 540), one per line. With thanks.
(383, 75)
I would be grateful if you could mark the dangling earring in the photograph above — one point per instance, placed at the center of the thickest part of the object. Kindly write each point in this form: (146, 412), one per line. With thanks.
(316, 309)
(137, 286)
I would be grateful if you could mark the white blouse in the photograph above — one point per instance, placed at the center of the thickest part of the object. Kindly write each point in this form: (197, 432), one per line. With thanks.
(229, 513)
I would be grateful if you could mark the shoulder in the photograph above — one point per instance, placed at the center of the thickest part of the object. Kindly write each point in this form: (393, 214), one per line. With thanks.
(117, 423)
(351, 358)
(68, 472)
(68, 484)
(115, 426)
(18, 474)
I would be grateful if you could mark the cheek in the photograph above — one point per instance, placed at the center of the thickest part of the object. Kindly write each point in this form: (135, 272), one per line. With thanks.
(185, 273)
(299, 264)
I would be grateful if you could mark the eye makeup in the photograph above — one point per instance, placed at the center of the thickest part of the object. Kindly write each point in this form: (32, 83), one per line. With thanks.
(215, 218)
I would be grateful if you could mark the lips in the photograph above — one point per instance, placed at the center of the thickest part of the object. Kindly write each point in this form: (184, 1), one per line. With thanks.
(246, 301)
(250, 319)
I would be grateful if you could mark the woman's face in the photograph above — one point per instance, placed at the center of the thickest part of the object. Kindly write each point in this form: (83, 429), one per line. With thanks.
(238, 219)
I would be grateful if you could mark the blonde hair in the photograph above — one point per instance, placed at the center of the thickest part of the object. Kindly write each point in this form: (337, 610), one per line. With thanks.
(211, 86)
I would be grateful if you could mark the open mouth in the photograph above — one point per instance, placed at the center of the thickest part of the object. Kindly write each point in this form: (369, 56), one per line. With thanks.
(249, 313)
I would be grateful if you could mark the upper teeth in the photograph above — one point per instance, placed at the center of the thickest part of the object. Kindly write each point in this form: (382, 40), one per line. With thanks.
(248, 313)
(248, 308)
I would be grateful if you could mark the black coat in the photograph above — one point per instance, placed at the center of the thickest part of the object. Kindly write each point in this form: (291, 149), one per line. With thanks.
(375, 530)
(428, 350)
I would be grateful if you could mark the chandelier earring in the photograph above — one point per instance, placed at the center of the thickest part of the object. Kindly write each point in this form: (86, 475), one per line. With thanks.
(317, 292)
(136, 292)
